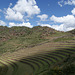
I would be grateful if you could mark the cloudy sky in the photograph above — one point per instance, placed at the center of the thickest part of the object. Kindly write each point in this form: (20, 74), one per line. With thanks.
(57, 14)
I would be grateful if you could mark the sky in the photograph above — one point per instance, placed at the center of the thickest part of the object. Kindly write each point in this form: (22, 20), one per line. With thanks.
(57, 14)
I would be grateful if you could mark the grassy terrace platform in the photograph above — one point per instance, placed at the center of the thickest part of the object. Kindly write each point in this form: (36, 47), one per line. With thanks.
(34, 65)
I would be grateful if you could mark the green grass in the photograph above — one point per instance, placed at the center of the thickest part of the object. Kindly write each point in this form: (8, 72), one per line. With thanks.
(64, 39)
(36, 65)
(67, 68)
(18, 43)
(16, 38)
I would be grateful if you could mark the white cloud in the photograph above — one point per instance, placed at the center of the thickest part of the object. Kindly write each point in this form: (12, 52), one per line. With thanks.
(56, 27)
(27, 19)
(70, 28)
(66, 22)
(64, 19)
(60, 27)
(67, 2)
(12, 15)
(22, 9)
(0, 10)
(10, 5)
(2, 23)
(60, 3)
(43, 17)
(73, 11)
(27, 6)
(44, 25)
(11, 24)
(56, 19)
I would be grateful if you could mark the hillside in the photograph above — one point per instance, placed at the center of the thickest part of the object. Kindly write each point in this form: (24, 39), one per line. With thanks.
(72, 31)
(16, 38)
(35, 51)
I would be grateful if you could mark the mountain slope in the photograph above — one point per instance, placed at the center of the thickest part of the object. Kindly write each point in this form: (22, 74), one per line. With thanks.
(16, 38)
(72, 31)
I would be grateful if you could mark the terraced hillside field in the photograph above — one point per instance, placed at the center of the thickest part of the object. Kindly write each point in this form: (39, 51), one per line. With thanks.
(35, 65)
(32, 51)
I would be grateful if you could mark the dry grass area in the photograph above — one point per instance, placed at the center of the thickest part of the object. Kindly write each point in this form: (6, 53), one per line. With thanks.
(38, 49)
(18, 42)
